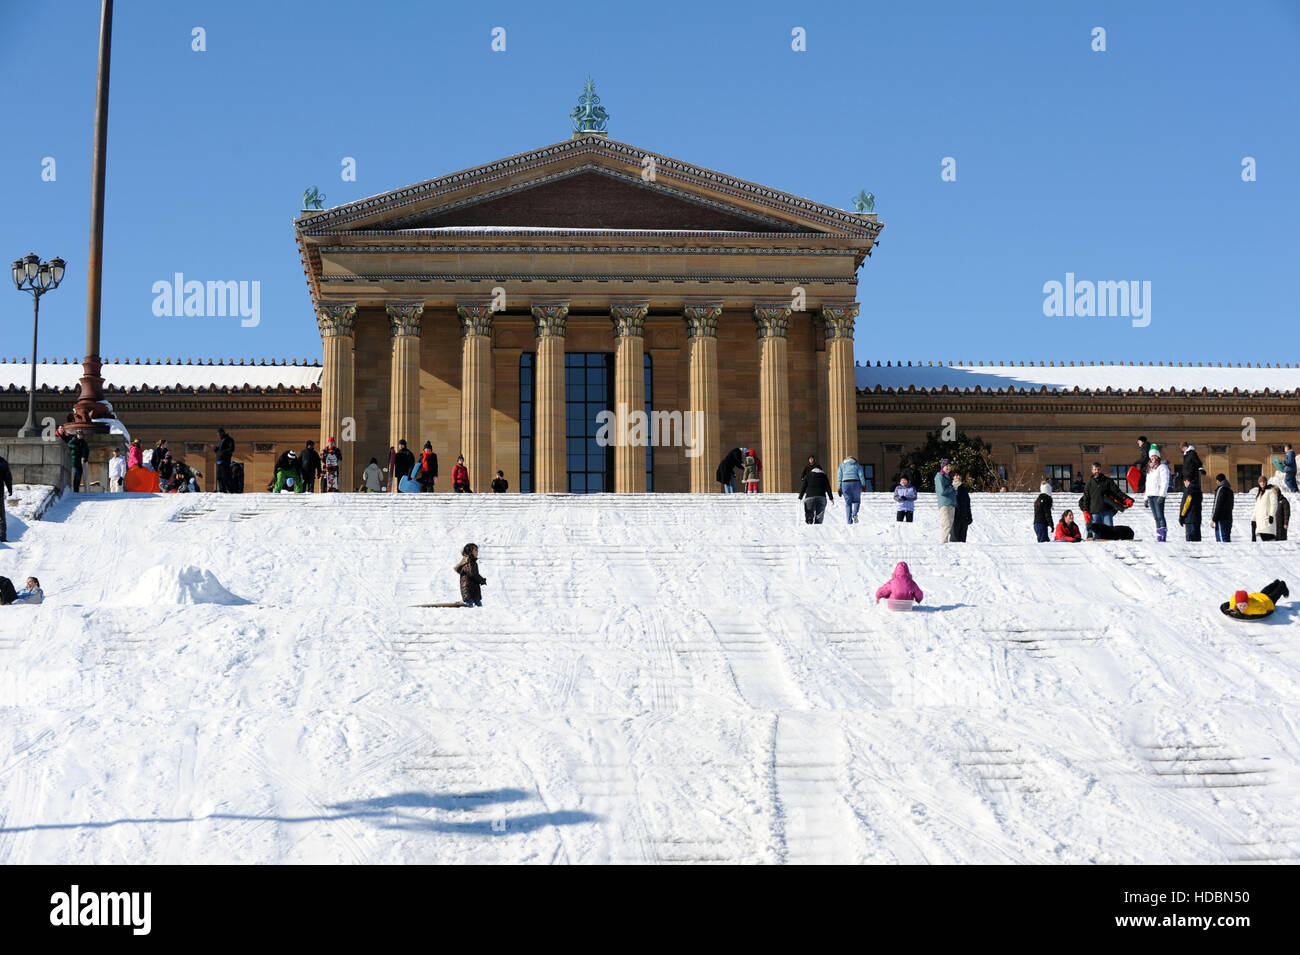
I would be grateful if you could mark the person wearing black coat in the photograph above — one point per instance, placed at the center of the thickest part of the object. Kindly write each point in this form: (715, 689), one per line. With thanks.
(309, 467)
(961, 517)
(225, 452)
(1043, 514)
(471, 581)
(1221, 513)
(1192, 467)
(1189, 513)
(815, 491)
(6, 488)
(1102, 498)
(1144, 454)
(726, 475)
(403, 462)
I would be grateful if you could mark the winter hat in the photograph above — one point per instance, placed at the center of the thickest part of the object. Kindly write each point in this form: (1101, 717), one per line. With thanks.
(1240, 597)
(1153, 455)
(944, 462)
(291, 455)
(429, 445)
(1045, 488)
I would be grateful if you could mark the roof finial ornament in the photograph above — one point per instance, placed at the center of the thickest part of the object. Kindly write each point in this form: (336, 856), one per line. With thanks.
(864, 202)
(589, 117)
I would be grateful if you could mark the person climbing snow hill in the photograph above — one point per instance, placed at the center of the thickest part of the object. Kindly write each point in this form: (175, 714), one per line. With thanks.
(815, 492)
(1257, 606)
(470, 580)
(900, 587)
(1157, 484)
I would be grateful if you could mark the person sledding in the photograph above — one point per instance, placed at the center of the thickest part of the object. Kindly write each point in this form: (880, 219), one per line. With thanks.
(900, 590)
(1101, 500)
(1246, 606)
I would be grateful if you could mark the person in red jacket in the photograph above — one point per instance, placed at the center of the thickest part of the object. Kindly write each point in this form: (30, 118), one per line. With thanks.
(1067, 530)
(460, 477)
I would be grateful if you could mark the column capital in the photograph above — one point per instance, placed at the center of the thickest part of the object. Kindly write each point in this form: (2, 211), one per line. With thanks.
(550, 318)
(629, 318)
(838, 319)
(475, 318)
(772, 321)
(336, 318)
(702, 319)
(404, 318)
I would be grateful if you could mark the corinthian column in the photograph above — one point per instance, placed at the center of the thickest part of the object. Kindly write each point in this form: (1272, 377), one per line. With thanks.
(337, 322)
(629, 394)
(549, 473)
(841, 390)
(702, 331)
(772, 322)
(476, 393)
(404, 320)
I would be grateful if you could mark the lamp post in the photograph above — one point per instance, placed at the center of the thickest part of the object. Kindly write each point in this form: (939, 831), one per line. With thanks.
(32, 275)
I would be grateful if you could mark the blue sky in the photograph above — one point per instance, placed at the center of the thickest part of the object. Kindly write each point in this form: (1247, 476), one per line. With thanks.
(1122, 165)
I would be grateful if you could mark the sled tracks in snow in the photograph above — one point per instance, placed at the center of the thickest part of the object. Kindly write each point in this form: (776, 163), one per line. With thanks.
(1206, 766)
(1042, 642)
(809, 761)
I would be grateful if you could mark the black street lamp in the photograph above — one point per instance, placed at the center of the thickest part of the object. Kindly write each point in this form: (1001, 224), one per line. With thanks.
(32, 275)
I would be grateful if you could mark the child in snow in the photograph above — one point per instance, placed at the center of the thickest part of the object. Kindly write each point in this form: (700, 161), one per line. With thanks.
(900, 588)
(32, 595)
(1067, 530)
(1043, 512)
(905, 498)
(331, 458)
(499, 484)
(470, 582)
(1256, 606)
(751, 473)
(460, 476)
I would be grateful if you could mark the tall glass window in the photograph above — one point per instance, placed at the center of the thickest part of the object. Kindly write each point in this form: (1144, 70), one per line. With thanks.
(526, 421)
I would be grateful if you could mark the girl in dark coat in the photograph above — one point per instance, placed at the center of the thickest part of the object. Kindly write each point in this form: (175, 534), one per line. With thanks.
(961, 518)
(1043, 512)
(470, 582)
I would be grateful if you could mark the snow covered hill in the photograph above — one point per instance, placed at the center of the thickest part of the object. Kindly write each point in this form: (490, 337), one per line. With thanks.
(660, 679)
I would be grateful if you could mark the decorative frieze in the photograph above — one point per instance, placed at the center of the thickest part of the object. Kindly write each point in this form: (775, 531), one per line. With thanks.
(629, 319)
(550, 319)
(475, 319)
(772, 321)
(838, 320)
(702, 320)
(404, 318)
(336, 318)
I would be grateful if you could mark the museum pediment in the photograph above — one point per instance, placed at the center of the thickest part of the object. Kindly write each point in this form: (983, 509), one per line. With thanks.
(590, 183)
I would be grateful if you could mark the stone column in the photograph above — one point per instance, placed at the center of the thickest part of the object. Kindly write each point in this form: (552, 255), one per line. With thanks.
(702, 331)
(337, 322)
(476, 393)
(550, 476)
(841, 388)
(404, 320)
(629, 394)
(772, 322)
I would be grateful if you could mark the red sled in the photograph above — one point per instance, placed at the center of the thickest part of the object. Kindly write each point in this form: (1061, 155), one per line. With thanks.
(1134, 478)
(142, 481)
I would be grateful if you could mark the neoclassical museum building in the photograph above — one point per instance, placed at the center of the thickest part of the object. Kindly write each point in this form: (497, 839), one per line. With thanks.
(500, 312)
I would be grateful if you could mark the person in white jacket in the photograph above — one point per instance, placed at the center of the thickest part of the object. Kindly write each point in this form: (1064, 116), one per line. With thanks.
(1264, 519)
(1158, 480)
(116, 471)
(373, 476)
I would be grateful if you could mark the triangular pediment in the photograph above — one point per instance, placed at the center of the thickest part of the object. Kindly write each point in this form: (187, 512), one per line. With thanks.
(590, 183)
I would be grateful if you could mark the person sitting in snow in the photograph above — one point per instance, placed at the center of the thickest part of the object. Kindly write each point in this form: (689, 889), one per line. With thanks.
(1246, 606)
(899, 587)
(1067, 530)
(32, 595)
(470, 582)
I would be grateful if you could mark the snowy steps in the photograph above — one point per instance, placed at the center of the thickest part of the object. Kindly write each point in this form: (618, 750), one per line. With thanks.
(809, 766)
(1205, 766)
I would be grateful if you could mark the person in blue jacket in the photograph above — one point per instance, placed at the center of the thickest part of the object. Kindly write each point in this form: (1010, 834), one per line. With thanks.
(852, 478)
(1288, 468)
(905, 498)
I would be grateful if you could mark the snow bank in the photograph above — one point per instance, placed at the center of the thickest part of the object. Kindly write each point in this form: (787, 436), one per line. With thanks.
(170, 585)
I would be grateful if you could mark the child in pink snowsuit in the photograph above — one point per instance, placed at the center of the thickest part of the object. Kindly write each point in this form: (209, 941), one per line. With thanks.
(900, 587)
